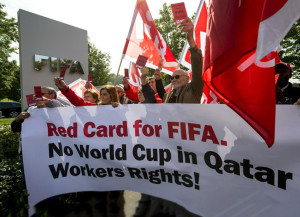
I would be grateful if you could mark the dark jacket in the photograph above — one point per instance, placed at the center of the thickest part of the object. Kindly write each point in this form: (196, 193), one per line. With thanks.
(192, 92)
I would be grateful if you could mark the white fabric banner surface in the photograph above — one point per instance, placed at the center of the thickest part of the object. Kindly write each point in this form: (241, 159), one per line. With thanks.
(203, 157)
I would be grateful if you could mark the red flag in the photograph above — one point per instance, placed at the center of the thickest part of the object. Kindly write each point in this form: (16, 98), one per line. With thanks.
(78, 87)
(200, 23)
(277, 19)
(229, 64)
(144, 39)
(134, 75)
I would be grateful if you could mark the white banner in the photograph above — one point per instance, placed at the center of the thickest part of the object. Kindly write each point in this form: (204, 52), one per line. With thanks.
(203, 157)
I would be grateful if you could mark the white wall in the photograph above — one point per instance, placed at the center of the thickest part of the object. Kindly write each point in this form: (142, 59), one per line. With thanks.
(43, 36)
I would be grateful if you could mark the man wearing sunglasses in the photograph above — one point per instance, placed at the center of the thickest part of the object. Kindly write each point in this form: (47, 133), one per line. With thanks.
(183, 91)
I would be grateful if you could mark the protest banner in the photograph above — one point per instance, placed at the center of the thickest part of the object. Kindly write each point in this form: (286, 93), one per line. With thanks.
(203, 157)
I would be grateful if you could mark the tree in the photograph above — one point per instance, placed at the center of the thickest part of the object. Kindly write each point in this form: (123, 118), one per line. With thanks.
(99, 65)
(172, 35)
(169, 31)
(9, 70)
(290, 52)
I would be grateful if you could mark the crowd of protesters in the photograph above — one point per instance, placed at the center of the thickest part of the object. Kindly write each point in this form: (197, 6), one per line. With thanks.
(184, 90)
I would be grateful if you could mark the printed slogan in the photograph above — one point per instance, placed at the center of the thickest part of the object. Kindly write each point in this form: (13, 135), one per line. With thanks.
(154, 150)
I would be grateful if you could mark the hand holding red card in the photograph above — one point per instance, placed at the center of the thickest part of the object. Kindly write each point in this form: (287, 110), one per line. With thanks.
(38, 93)
(63, 72)
(141, 61)
(179, 12)
(30, 100)
(126, 73)
(90, 78)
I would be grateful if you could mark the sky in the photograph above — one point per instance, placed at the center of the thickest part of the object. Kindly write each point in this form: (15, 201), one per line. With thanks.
(107, 22)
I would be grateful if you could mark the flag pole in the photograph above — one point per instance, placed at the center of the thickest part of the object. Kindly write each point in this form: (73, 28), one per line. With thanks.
(168, 95)
(118, 72)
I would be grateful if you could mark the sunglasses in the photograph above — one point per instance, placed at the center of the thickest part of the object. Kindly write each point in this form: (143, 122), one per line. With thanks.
(176, 76)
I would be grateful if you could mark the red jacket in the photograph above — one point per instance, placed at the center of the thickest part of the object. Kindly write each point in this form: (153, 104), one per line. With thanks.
(132, 93)
(74, 99)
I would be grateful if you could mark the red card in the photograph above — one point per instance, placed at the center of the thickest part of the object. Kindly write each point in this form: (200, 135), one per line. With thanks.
(126, 73)
(179, 12)
(38, 93)
(276, 78)
(30, 100)
(90, 78)
(141, 61)
(63, 72)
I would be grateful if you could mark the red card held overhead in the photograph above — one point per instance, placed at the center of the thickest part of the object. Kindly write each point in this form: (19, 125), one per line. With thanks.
(141, 61)
(126, 73)
(30, 100)
(38, 93)
(90, 79)
(63, 72)
(179, 12)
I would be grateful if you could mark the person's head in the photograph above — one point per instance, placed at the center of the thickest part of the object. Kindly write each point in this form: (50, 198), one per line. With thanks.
(108, 94)
(49, 92)
(91, 96)
(141, 95)
(285, 73)
(120, 90)
(179, 78)
(152, 83)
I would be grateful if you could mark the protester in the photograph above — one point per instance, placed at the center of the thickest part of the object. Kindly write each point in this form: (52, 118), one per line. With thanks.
(122, 96)
(49, 101)
(145, 93)
(286, 93)
(113, 200)
(131, 91)
(90, 95)
(109, 96)
(184, 92)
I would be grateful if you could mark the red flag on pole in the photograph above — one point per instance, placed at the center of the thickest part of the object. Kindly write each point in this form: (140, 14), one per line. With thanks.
(229, 64)
(134, 75)
(144, 39)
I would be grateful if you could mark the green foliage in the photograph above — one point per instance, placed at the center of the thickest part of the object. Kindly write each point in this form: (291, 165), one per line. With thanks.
(99, 65)
(13, 194)
(290, 52)
(9, 142)
(169, 31)
(9, 70)
(119, 79)
(6, 121)
(171, 34)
